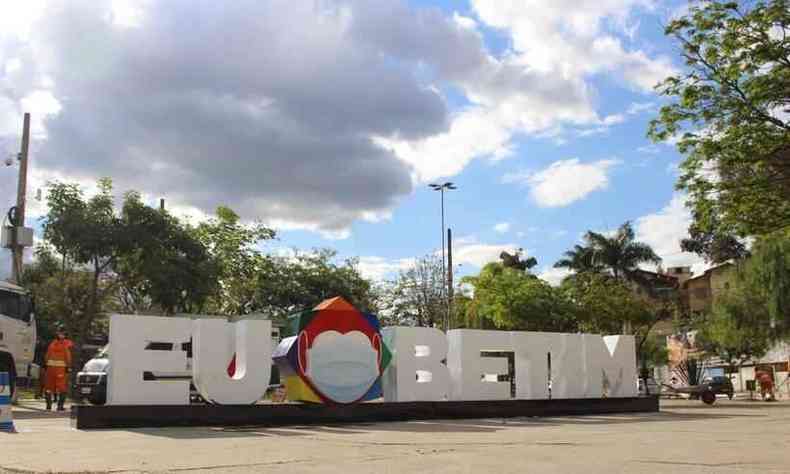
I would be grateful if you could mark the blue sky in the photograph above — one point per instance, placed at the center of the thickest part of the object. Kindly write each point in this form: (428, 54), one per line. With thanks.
(334, 122)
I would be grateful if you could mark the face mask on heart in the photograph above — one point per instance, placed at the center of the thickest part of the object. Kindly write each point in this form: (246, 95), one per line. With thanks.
(342, 367)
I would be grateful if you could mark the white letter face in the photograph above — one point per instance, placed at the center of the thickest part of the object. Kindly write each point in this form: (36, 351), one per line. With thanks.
(215, 343)
(532, 364)
(473, 377)
(612, 358)
(416, 372)
(129, 359)
(541, 356)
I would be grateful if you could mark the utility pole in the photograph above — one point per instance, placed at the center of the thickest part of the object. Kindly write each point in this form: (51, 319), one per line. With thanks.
(449, 277)
(441, 187)
(18, 248)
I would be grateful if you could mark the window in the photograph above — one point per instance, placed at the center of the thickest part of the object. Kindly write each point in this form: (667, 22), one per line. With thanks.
(15, 306)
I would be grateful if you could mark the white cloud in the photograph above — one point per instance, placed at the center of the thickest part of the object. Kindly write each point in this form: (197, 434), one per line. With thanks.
(156, 124)
(639, 107)
(553, 275)
(468, 251)
(502, 227)
(650, 149)
(18, 17)
(380, 268)
(663, 230)
(539, 85)
(565, 181)
(40, 104)
(568, 37)
(127, 13)
(614, 119)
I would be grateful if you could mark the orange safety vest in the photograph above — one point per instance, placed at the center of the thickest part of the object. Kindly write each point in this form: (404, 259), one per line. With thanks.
(58, 361)
(59, 353)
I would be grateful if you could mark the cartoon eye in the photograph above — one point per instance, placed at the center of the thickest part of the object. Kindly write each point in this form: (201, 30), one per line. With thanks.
(301, 350)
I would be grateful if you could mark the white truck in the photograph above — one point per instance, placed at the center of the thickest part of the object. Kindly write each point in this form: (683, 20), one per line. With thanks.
(17, 332)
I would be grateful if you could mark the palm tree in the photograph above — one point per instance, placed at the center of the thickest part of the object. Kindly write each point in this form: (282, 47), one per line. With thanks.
(620, 253)
(580, 259)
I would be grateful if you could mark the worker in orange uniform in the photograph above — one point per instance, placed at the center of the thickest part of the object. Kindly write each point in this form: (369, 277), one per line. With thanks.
(766, 386)
(58, 364)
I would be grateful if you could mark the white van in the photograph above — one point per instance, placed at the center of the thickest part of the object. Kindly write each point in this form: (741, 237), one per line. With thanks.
(17, 331)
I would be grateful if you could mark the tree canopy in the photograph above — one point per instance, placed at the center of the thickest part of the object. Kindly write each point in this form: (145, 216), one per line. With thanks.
(289, 284)
(605, 304)
(620, 254)
(729, 115)
(416, 297)
(513, 299)
(96, 258)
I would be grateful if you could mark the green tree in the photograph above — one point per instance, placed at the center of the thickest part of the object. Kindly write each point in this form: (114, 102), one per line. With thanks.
(63, 296)
(766, 275)
(165, 268)
(45, 265)
(89, 237)
(735, 329)
(621, 253)
(580, 259)
(238, 262)
(730, 117)
(512, 299)
(516, 261)
(289, 284)
(606, 304)
(653, 352)
(416, 297)
(754, 312)
(715, 246)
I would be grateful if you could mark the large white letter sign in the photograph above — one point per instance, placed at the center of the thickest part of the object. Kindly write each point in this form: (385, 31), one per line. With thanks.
(532, 364)
(542, 356)
(141, 344)
(416, 372)
(215, 343)
(473, 376)
(612, 358)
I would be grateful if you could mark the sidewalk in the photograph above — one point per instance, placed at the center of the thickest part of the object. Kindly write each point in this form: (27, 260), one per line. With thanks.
(28, 409)
(686, 436)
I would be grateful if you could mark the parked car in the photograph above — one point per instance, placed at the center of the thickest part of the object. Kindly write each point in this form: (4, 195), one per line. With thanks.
(92, 379)
(720, 385)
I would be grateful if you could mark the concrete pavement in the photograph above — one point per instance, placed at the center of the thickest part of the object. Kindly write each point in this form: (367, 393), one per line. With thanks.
(685, 437)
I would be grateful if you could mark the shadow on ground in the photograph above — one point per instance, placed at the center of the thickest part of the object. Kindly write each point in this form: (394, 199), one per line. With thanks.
(28, 411)
(436, 427)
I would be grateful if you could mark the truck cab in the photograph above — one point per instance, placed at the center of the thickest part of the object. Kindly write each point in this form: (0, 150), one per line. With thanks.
(17, 331)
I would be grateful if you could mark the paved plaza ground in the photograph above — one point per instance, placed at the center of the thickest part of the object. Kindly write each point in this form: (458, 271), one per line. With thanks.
(688, 437)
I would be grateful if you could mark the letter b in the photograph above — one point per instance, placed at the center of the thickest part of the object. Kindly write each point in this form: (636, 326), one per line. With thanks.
(416, 372)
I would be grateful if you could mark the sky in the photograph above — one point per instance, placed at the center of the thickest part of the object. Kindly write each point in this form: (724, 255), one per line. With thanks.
(328, 119)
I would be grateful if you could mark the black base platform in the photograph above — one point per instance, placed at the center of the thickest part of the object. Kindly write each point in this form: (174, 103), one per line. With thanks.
(138, 416)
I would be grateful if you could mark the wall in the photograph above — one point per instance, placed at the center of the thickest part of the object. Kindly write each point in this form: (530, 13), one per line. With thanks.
(698, 291)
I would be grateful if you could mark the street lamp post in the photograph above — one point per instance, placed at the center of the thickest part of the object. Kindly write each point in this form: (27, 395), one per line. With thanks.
(441, 187)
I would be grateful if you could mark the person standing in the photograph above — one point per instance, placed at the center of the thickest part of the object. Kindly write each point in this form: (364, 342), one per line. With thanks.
(766, 386)
(58, 364)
